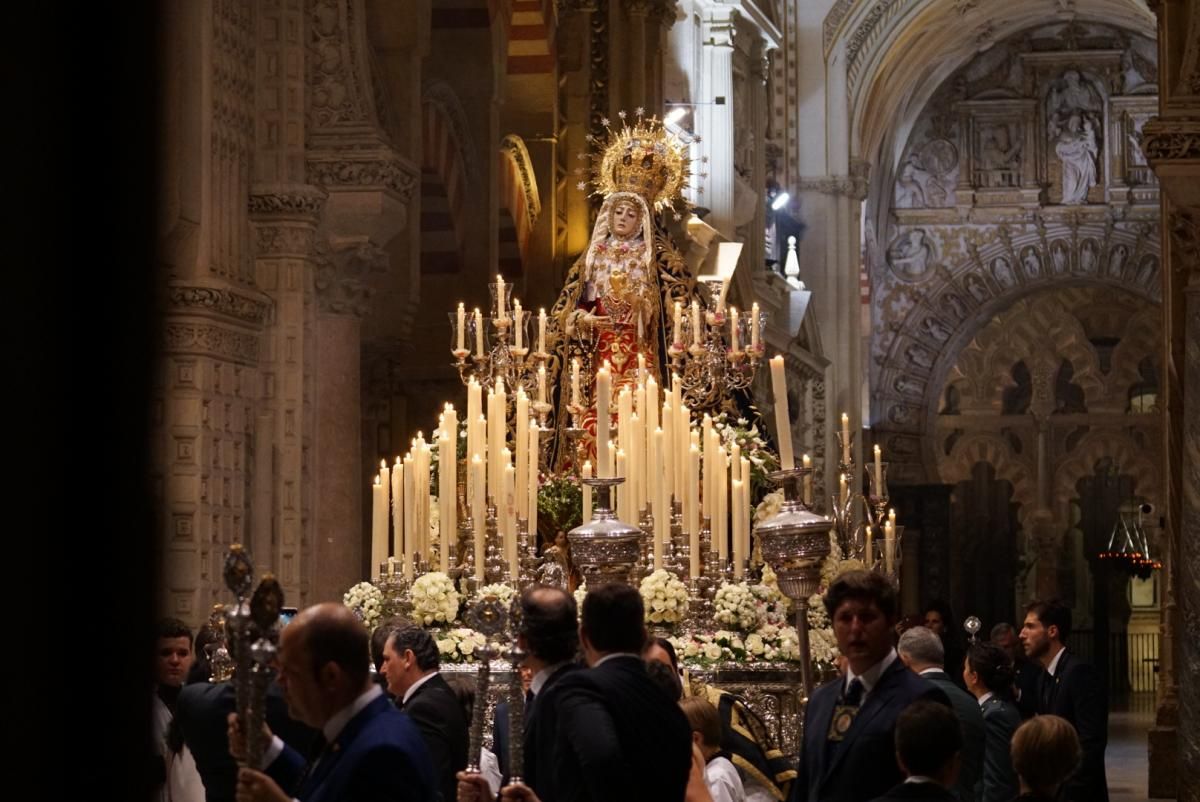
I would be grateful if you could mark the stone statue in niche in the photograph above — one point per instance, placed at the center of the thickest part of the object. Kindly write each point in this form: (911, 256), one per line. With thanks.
(955, 305)
(1003, 273)
(1146, 269)
(939, 158)
(1087, 257)
(1031, 261)
(1058, 257)
(911, 254)
(908, 193)
(1131, 77)
(919, 356)
(1116, 261)
(976, 287)
(1073, 113)
(936, 329)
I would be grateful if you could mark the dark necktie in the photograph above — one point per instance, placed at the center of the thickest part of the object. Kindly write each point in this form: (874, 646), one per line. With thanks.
(855, 692)
(316, 751)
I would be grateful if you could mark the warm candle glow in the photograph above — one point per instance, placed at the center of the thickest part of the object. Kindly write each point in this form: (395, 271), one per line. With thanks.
(462, 328)
(542, 330)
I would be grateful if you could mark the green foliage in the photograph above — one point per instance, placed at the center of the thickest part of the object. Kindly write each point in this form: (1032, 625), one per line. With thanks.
(560, 503)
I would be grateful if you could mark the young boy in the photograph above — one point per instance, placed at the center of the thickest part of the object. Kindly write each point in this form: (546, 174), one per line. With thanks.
(720, 774)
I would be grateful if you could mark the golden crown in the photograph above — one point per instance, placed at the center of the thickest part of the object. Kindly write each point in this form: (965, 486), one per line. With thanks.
(644, 158)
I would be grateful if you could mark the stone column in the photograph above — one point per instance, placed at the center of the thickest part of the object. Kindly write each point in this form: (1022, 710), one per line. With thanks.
(717, 89)
(342, 295)
(1172, 146)
(638, 65)
(1046, 547)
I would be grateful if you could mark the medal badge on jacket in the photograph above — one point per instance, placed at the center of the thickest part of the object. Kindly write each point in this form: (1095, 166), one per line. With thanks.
(843, 719)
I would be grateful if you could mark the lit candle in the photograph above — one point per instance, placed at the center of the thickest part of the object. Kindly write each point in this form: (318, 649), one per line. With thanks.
(754, 326)
(736, 506)
(721, 522)
(478, 333)
(878, 470)
(542, 330)
(707, 495)
(541, 384)
(532, 467)
(657, 498)
(677, 329)
(745, 514)
(845, 438)
(695, 323)
(892, 516)
(500, 296)
(397, 542)
(479, 514)
(575, 382)
(806, 461)
(522, 443)
(378, 526)
(517, 327)
(889, 547)
(841, 488)
(586, 511)
(603, 422)
(783, 424)
(462, 328)
(446, 494)
(691, 510)
(733, 329)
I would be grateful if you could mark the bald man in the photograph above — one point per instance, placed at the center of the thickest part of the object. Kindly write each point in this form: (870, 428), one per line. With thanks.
(371, 750)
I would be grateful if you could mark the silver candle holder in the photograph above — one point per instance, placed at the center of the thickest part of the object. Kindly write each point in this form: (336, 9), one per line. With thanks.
(604, 548)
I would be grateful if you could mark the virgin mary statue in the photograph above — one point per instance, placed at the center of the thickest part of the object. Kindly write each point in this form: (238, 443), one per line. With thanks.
(612, 307)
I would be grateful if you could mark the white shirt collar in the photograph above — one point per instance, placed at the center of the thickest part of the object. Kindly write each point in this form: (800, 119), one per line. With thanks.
(542, 677)
(872, 674)
(413, 688)
(340, 719)
(932, 670)
(1050, 669)
(919, 778)
(614, 656)
(983, 699)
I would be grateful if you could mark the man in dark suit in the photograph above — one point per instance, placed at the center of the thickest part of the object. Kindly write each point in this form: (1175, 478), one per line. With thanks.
(847, 752)
(371, 752)
(1026, 673)
(203, 713)
(928, 744)
(411, 662)
(619, 736)
(1072, 689)
(922, 651)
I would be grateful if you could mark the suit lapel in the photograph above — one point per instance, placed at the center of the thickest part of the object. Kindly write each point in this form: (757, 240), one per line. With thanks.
(334, 751)
(874, 703)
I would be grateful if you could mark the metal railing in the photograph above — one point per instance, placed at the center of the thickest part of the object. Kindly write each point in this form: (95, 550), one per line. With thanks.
(1129, 659)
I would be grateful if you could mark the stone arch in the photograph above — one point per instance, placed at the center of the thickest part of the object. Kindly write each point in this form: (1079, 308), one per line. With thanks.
(1142, 339)
(1116, 445)
(975, 448)
(531, 47)
(518, 189)
(445, 173)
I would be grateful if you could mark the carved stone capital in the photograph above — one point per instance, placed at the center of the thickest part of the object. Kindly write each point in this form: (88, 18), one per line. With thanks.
(342, 279)
(211, 339)
(221, 302)
(1166, 140)
(370, 170)
(292, 201)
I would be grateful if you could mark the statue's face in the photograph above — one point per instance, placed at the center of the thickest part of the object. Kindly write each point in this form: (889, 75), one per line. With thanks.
(625, 219)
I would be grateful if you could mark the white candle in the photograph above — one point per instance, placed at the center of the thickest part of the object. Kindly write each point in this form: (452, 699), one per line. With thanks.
(541, 384)
(641, 374)
(445, 494)
(892, 516)
(707, 497)
(735, 462)
(586, 509)
(745, 514)
(878, 469)
(624, 497)
(736, 506)
(462, 328)
(783, 422)
(845, 437)
(808, 480)
(522, 443)
(691, 511)
(542, 330)
(733, 329)
(637, 477)
(603, 422)
(412, 539)
(575, 382)
(677, 328)
(754, 326)
(721, 298)
(500, 296)
(532, 467)
(517, 327)
(378, 526)
(478, 333)
(510, 521)
(396, 544)
(479, 514)
(612, 454)
(721, 524)
(474, 410)
(841, 488)
(889, 547)
(658, 499)
(696, 323)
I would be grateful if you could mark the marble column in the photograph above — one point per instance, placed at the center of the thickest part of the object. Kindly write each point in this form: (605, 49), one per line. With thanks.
(717, 90)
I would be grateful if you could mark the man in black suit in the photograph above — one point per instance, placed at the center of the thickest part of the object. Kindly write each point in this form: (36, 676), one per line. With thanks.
(411, 662)
(203, 712)
(1027, 673)
(922, 651)
(1072, 689)
(847, 752)
(928, 744)
(619, 736)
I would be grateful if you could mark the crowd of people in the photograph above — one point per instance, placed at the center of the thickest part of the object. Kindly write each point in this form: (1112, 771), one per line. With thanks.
(608, 714)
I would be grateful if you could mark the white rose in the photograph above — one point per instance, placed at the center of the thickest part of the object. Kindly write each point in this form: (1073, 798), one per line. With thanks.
(712, 651)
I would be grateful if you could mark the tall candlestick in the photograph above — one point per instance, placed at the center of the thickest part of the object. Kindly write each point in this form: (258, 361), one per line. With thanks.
(878, 469)
(783, 421)
(479, 515)
(808, 481)
(542, 330)
(478, 333)
(733, 329)
(603, 421)
(396, 545)
(754, 326)
(736, 507)
(707, 496)
(586, 509)
(691, 509)
(462, 328)
(721, 482)
(522, 443)
(845, 437)
(474, 410)
(635, 455)
(447, 476)
(378, 526)
(662, 516)
(531, 506)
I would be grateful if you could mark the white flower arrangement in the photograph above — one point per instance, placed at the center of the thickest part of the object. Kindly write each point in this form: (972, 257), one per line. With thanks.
(434, 599)
(769, 506)
(459, 645)
(735, 606)
(435, 530)
(580, 595)
(366, 601)
(504, 593)
(665, 597)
